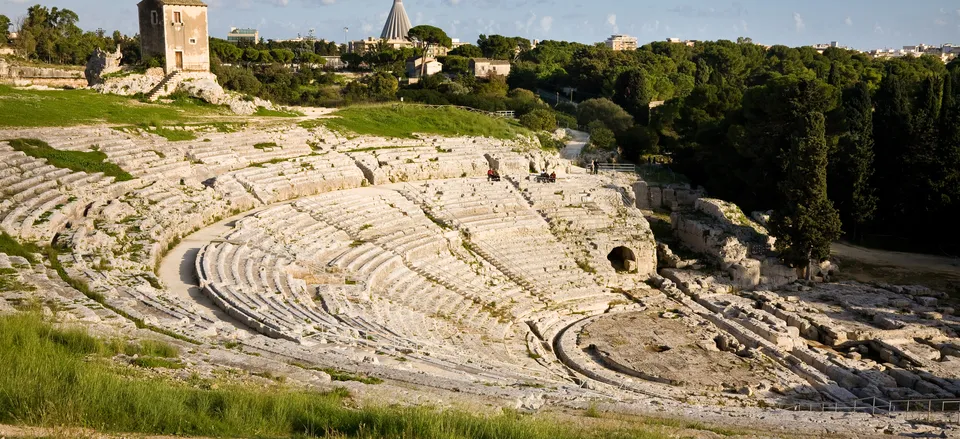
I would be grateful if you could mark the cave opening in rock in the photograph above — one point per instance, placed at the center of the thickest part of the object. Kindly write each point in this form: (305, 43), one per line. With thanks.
(623, 259)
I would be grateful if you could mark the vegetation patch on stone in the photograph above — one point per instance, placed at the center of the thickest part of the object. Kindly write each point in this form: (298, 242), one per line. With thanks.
(90, 162)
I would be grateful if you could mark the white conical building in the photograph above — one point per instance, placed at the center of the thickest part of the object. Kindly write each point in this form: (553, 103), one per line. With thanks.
(398, 24)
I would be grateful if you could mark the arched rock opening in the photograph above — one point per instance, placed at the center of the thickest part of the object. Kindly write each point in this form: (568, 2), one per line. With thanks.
(623, 259)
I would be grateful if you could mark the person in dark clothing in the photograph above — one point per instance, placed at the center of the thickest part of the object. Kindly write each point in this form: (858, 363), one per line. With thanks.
(596, 167)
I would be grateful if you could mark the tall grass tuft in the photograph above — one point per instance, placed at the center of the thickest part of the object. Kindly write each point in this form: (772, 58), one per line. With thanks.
(48, 379)
(11, 247)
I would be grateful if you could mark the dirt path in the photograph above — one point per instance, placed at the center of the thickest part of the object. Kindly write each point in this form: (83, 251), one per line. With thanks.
(575, 147)
(178, 269)
(871, 265)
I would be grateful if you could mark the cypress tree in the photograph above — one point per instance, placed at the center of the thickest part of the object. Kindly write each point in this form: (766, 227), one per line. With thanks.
(892, 134)
(850, 180)
(632, 92)
(806, 223)
(949, 154)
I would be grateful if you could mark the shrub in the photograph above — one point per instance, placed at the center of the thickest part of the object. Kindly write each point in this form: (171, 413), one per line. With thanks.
(615, 118)
(539, 120)
(602, 137)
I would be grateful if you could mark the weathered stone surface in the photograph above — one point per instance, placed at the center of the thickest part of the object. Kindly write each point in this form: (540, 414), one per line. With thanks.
(101, 63)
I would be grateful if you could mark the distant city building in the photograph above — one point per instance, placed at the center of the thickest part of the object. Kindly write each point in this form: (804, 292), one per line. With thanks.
(483, 67)
(237, 35)
(398, 24)
(175, 31)
(622, 42)
(820, 48)
(457, 43)
(364, 46)
(415, 67)
(945, 52)
(689, 43)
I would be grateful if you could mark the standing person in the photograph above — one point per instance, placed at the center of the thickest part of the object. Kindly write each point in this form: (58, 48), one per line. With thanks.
(595, 167)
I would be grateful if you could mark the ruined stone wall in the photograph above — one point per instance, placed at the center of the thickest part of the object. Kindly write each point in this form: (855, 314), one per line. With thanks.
(25, 76)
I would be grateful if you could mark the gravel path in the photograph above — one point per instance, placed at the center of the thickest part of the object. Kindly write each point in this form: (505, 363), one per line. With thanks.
(575, 147)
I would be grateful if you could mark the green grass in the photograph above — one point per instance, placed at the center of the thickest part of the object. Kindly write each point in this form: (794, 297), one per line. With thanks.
(403, 121)
(89, 162)
(173, 135)
(263, 112)
(61, 378)
(12, 247)
(51, 108)
(156, 363)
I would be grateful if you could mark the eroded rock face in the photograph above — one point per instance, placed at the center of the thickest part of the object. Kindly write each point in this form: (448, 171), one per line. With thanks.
(132, 84)
(102, 63)
(199, 85)
(739, 245)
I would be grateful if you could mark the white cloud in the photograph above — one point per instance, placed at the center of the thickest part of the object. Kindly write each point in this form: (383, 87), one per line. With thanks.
(848, 21)
(612, 21)
(743, 25)
(877, 29)
(798, 23)
(546, 23)
(940, 22)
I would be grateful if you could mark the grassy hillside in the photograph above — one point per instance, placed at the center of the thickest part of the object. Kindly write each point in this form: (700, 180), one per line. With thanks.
(404, 120)
(64, 377)
(49, 108)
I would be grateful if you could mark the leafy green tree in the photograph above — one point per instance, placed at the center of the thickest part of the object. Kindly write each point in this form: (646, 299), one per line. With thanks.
(5, 24)
(806, 222)
(467, 51)
(523, 101)
(492, 86)
(604, 110)
(382, 86)
(851, 170)
(602, 137)
(432, 37)
(540, 119)
(455, 64)
(638, 141)
(501, 47)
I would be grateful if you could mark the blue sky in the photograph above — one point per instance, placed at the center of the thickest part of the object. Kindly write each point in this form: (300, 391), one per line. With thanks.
(863, 24)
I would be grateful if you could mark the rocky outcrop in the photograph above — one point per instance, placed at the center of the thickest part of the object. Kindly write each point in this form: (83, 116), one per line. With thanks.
(101, 63)
(197, 84)
(740, 246)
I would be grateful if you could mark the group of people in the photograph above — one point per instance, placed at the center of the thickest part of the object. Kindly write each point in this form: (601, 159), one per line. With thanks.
(547, 178)
(493, 175)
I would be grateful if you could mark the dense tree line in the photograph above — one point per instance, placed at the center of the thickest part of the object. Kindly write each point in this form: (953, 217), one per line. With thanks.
(824, 139)
(52, 36)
